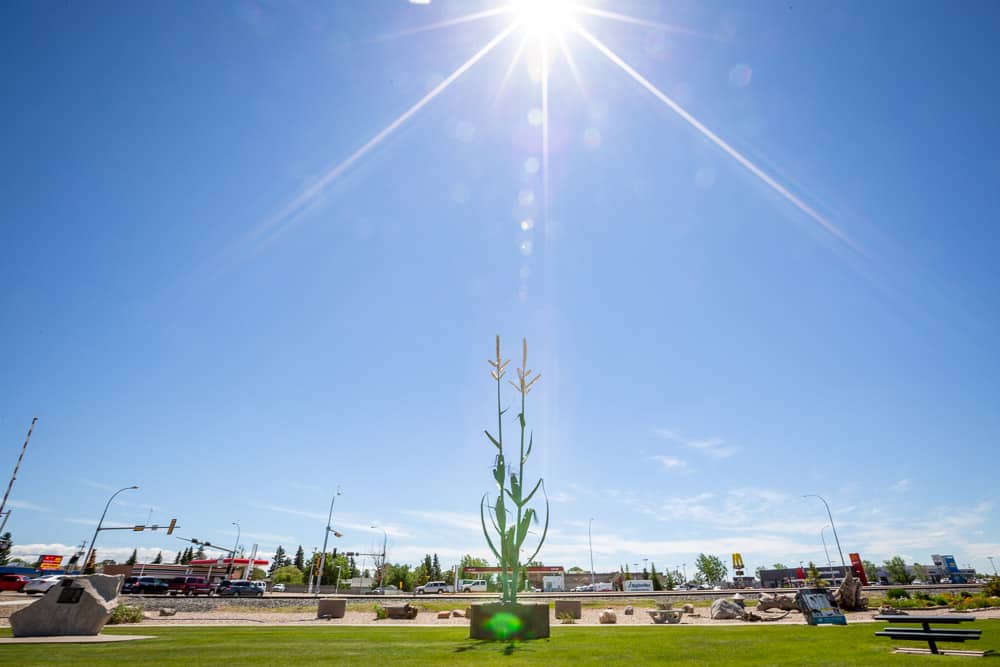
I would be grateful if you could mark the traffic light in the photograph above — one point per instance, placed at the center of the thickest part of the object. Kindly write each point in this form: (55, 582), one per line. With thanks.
(170, 528)
(335, 553)
(138, 529)
(315, 566)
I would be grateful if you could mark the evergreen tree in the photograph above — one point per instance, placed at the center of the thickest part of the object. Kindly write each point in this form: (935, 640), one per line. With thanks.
(177, 559)
(428, 570)
(436, 568)
(133, 558)
(279, 559)
(158, 559)
(300, 558)
(5, 545)
(813, 578)
(200, 554)
(657, 586)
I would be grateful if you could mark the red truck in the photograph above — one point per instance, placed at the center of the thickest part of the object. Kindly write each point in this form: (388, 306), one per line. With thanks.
(190, 586)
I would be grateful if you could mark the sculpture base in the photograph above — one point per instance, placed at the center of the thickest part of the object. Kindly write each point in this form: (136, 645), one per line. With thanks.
(499, 621)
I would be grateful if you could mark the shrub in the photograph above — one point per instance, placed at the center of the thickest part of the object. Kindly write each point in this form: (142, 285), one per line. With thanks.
(124, 613)
(380, 612)
(992, 587)
(922, 595)
(966, 594)
(566, 618)
(940, 599)
(897, 594)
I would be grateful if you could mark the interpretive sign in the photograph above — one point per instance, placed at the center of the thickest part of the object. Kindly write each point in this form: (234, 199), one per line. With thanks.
(815, 605)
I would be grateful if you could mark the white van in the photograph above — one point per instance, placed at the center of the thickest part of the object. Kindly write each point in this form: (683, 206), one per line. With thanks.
(262, 585)
(472, 586)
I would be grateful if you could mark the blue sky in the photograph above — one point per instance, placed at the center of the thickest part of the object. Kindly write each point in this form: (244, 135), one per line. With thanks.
(215, 285)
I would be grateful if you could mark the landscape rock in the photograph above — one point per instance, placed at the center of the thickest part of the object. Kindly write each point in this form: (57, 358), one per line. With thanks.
(629, 610)
(724, 609)
(776, 601)
(404, 612)
(168, 611)
(74, 606)
(444, 614)
(608, 617)
(458, 613)
(331, 608)
(688, 609)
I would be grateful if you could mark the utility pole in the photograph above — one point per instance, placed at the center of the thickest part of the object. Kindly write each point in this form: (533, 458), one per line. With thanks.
(17, 467)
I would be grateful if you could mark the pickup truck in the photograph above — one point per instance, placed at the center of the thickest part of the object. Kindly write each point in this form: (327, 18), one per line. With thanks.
(190, 586)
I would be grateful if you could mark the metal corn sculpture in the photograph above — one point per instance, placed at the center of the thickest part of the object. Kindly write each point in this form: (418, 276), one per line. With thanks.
(510, 515)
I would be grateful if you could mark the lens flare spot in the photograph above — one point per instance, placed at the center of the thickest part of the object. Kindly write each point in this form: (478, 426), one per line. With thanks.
(527, 225)
(526, 248)
(740, 75)
(532, 165)
(536, 117)
(465, 131)
(704, 178)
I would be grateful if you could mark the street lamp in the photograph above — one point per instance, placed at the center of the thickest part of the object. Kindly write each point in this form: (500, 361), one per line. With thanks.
(591, 544)
(832, 525)
(990, 558)
(101, 522)
(385, 540)
(326, 536)
(822, 537)
(232, 559)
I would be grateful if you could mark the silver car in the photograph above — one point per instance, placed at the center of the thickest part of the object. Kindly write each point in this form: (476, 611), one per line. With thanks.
(41, 584)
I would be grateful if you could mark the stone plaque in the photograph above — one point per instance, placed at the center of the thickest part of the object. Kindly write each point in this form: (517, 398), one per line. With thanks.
(70, 595)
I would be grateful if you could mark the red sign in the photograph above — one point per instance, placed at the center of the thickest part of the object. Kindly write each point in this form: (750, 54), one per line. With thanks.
(50, 563)
(859, 569)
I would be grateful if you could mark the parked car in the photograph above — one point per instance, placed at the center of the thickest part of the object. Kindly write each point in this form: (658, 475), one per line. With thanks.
(41, 584)
(238, 588)
(278, 588)
(433, 587)
(190, 586)
(150, 586)
(388, 590)
(473, 586)
(12, 582)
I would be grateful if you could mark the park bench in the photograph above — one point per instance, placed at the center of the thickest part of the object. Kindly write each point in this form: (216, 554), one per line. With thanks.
(931, 635)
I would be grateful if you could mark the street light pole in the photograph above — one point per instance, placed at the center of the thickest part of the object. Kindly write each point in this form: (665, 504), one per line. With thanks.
(232, 559)
(990, 558)
(381, 576)
(326, 536)
(822, 537)
(591, 544)
(101, 521)
(832, 525)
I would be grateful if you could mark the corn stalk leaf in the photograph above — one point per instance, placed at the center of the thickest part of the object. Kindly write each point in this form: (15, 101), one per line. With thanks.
(482, 518)
(495, 442)
(531, 442)
(532, 494)
(545, 530)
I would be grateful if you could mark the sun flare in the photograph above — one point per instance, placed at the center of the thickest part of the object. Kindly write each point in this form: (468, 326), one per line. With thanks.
(545, 17)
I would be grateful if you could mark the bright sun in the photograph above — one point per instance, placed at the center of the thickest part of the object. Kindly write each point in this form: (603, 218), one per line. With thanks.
(544, 16)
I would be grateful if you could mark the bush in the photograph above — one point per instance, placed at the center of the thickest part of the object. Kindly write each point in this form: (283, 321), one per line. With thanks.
(124, 613)
(940, 600)
(897, 594)
(380, 612)
(922, 595)
(992, 587)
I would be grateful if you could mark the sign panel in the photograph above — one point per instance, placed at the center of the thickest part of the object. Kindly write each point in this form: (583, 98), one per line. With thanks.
(738, 562)
(639, 585)
(815, 605)
(859, 568)
(50, 562)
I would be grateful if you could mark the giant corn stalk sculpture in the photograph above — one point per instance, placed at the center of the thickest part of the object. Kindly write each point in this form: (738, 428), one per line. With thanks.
(510, 516)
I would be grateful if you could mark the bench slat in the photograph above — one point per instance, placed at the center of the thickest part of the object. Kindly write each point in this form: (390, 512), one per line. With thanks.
(923, 637)
(941, 631)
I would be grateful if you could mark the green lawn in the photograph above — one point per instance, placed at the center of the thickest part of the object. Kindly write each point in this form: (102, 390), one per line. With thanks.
(576, 645)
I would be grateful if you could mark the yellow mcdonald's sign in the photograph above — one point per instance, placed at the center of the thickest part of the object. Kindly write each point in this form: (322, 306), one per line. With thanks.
(737, 562)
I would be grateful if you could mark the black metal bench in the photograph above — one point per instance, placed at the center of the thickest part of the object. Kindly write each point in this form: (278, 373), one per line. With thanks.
(931, 635)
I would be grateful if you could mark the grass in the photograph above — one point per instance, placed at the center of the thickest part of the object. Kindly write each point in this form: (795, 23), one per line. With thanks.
(576, 645)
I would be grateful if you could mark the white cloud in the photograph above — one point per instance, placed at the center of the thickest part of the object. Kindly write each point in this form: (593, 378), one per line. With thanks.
(25, 505)
(901, 486)
(670, 462)
(715, 448)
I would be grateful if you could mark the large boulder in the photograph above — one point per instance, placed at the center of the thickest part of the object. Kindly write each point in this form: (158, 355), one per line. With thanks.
(725, 609)
(608, 617)
(770, 601)
(331, 608)
(74, 606)
(848, 596)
